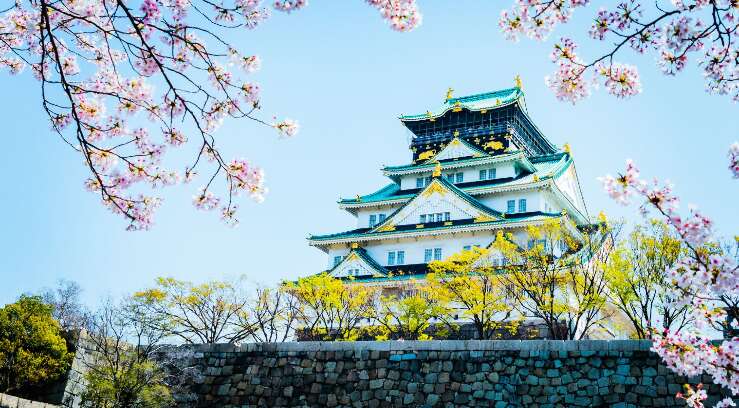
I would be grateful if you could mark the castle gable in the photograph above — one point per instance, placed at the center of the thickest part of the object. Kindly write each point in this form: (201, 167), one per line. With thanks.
(440, 201)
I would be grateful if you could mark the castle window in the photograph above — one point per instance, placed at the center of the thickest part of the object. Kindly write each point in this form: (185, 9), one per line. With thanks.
(427, 255)
(450, 177)
(372, 220)
(522, 205)
(563, 246)
(467, 247)
(439, 217)
(383, 216)
(437, 254)
(419, 182)
(422, 219)
(511, 206)
(487, 174)
(391, 258)
(428, 180)
(460, 177)
(337, 260)
(447, 216)
(400, 259)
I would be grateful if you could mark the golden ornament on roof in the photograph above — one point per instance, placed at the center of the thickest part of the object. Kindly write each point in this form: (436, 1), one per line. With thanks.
(355, 245)
(430, 116)
(437, 170)
(566, 148)
(456, 133)
(519, 84)
(449, 93)
(426, 155)
(457, 107)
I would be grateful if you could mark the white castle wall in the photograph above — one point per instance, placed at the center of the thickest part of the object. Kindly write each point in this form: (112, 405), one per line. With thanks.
(415, 247)
(503, 170)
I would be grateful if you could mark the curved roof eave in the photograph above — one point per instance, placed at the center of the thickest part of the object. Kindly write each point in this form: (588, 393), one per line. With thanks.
(504, 97)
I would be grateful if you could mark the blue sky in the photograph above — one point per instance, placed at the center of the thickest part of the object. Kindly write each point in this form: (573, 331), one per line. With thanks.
(345, 76)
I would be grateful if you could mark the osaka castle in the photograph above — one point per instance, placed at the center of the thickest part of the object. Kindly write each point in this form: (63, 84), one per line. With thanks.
(478, 165)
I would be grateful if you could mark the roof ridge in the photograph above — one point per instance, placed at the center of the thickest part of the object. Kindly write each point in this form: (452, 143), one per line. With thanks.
(483, 95)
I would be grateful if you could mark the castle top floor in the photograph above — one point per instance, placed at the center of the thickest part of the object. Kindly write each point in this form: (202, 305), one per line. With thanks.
(474, 119)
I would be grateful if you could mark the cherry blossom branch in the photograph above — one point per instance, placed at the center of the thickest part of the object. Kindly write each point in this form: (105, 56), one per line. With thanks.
(706, 278)
(689, 27)
(118, 79)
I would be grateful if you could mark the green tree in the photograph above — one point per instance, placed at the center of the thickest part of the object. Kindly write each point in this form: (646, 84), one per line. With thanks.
(330, 309)
(211, 312)
(122, 371)
(32, 349)
(638, 284)
(475, 287)
(558, 277)
(410, 313)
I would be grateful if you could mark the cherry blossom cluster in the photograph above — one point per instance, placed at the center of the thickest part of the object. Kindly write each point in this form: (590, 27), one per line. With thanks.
(125, 83)
(734, 159)
(402, 15)
(706, 278)
(536, 18)
(701, 27)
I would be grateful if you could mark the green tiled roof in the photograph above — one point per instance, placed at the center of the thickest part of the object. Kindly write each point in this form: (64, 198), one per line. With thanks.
(431, 165)
(362, 254)
(365, 232)
(546, 166)
(451, 187)
(488, 100)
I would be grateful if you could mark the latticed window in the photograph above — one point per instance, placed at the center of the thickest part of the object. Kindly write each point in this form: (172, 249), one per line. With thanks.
(511, 206)
(437, 254)
(427, 255)
(522, 205)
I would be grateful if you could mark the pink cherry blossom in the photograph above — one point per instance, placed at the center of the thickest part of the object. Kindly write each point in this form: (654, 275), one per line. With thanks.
(734, 159)
(287, 127)
(706, 279)
(672, 33)
(99, 62)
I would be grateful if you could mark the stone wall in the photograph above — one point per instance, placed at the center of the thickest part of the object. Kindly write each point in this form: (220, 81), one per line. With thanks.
(9, 401)
(504, 373)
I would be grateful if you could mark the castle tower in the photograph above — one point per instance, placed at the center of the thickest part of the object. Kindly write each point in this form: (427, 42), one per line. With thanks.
(479, 165)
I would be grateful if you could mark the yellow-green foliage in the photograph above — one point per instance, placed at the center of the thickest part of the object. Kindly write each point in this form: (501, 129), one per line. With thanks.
(560, 278)
(32, 349)
(637, 281)
(474, 286)
(331, 309)
(128, 382)
(210, 312)
(408, 315)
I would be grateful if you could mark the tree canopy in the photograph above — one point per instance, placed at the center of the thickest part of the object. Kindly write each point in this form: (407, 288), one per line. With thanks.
(32, 349)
